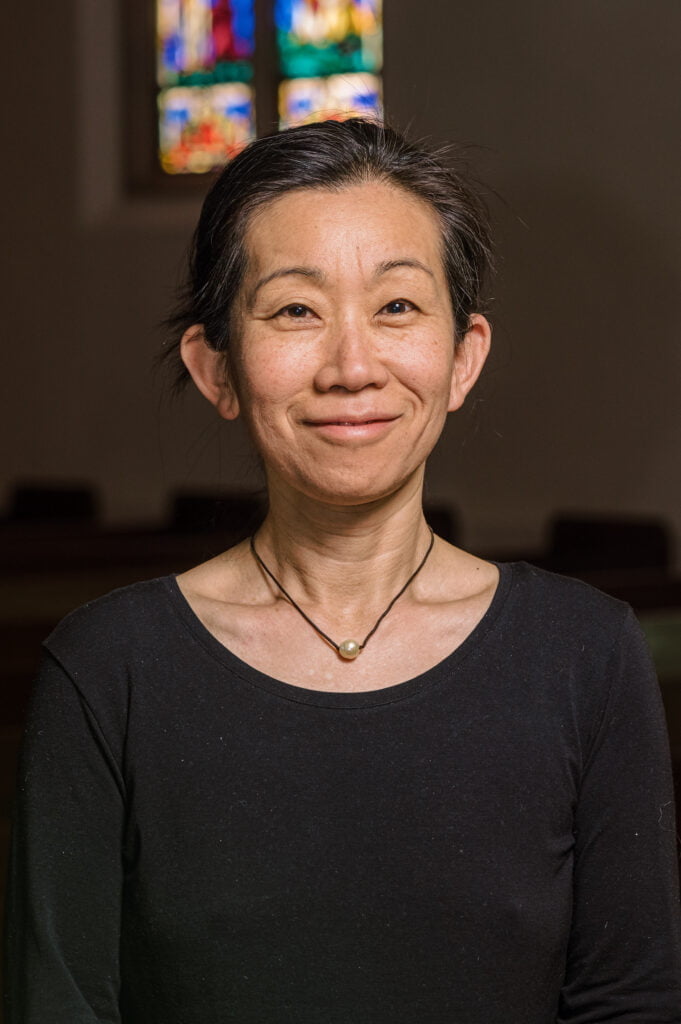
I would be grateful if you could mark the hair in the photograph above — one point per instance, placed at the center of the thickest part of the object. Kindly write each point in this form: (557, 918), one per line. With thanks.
(329, 155)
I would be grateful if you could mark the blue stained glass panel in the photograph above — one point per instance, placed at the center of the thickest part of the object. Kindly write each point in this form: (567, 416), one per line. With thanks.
(302, 100)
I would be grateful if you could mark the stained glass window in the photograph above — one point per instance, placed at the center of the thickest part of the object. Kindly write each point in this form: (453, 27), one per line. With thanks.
(328, 63)
(330, 53)
(205, 51)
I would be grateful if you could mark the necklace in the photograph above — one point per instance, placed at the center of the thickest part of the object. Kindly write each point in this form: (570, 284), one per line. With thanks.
(348, 649)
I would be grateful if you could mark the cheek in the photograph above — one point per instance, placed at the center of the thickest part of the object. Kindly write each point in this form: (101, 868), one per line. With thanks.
(267, 385)
(266, 390)
(427, 367)
(273, 370)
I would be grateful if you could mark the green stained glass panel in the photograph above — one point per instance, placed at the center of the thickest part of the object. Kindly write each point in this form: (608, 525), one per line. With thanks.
(327, 37)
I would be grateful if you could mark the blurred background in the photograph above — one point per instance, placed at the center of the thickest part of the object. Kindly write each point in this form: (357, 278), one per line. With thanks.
(568, 452)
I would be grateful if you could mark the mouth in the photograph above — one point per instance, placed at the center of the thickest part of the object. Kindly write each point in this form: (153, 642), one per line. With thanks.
(351, 421)
(353, 428)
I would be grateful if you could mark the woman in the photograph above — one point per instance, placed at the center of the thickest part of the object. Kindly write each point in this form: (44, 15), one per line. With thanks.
(344, 771)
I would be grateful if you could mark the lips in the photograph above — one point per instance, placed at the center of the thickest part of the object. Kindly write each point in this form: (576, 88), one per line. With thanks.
(351, 421)
(353, 430)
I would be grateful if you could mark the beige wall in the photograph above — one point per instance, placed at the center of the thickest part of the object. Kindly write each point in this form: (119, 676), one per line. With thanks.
(575, 109)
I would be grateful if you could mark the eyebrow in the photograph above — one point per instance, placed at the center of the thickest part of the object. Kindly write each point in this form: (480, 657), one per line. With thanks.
(310, 272)
(387, 265)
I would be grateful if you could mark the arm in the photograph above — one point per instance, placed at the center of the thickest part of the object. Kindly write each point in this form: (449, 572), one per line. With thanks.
(624, 958)
(65, 883)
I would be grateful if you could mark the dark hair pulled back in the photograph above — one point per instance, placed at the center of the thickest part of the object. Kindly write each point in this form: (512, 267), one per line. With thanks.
(328, 155)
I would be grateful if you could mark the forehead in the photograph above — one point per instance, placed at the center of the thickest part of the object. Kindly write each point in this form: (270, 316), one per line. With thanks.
(366, 224)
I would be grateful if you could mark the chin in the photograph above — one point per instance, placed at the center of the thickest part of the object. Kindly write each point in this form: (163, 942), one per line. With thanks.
(353, 479)
(345, 490)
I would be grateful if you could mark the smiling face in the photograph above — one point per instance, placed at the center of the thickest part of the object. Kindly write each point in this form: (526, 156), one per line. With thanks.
(345, 365)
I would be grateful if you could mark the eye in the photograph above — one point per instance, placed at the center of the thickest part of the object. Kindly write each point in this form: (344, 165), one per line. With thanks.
(398, 306)
(296, 311)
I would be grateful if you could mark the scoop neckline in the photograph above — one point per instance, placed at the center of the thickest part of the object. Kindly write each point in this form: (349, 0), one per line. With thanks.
(334, 698)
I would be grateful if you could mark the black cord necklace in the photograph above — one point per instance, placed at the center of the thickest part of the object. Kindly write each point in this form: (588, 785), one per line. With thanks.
(348, 649)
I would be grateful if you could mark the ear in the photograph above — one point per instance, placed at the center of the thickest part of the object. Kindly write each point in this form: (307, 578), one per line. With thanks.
(209, 372)
(469, 358)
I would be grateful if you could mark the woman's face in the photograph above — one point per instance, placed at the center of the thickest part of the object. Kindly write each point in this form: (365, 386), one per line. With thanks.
(345, 363)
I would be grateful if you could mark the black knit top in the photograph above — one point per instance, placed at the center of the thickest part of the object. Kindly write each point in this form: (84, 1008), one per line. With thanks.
(491, 842)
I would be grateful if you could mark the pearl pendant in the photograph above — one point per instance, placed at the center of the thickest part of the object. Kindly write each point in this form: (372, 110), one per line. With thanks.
(349, 649)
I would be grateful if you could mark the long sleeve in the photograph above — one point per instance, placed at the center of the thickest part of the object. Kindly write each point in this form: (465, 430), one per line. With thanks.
(65, 882)
(491, 842)
(624, 958)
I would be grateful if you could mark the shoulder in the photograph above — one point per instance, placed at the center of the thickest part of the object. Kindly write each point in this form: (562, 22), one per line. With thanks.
(565, 606)
(113, 627)
(581, 649)
(558, 628)
(92, 658)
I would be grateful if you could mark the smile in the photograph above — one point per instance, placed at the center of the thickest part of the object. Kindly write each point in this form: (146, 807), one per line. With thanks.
(348, 423)
(366, 428)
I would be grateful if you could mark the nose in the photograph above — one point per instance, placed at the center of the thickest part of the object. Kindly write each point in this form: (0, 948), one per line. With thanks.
(350, 360)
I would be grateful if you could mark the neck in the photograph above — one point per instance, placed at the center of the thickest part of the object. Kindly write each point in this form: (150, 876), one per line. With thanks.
(344, 560)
